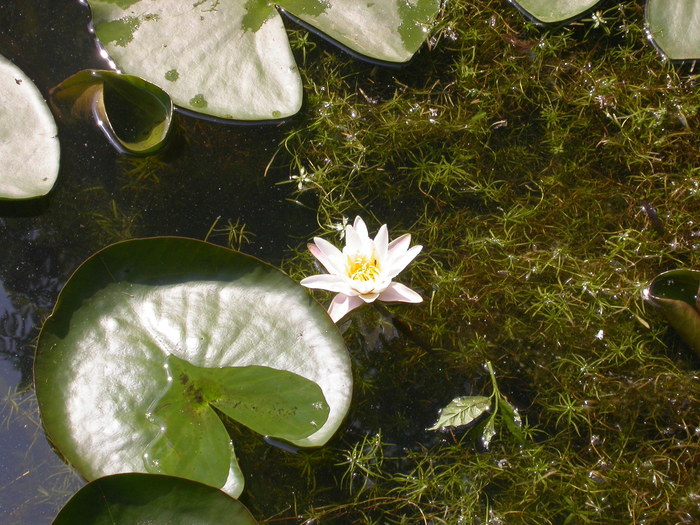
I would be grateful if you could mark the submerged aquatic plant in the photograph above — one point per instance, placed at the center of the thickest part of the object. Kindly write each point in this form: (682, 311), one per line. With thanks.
(363, 271)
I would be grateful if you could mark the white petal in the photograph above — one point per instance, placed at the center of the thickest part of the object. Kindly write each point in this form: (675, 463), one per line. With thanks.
(353, 242)
(341, 305)
(330, 282)
(398, 292)
(329, 256)
(360, 227)
(381, 243)
(394, 266)
(400, 244)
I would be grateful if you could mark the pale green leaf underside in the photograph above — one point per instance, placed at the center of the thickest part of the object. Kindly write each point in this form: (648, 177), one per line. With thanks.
(462, 411)
(232, 59)
(29, 149)
(553, 11)
(675, 27)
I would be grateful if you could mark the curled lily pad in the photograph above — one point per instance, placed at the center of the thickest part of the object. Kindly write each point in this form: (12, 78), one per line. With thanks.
(147, 499)
(133, 114)
(29, 149)
(676, 293)
(554, 11)
(232, 59)
(674, 27)
(143, 341)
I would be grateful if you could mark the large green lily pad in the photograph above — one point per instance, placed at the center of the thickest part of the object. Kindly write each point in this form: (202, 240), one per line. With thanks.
(123, 370)
(29, 149)
(147, 499)
(554, 11)
(674, 26)
(232, 59)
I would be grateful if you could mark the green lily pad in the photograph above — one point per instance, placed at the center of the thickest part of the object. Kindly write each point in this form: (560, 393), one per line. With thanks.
(133, 114)
(676, 293)
(133, 308)
(147, 499)
(674, 27)
(232, 59)
(554, 11)
(386, 30)
(272, 402)
(29, 149)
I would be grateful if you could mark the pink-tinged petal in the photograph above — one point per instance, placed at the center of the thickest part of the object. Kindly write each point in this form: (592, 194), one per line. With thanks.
(341, 305)
(381, 243)
(329, 256)
(330, 282)
(369, 297)
(394, 266)
(400, 244)
(398, 292)
(320, 256)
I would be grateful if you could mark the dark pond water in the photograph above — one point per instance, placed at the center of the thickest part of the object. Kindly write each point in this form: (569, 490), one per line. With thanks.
(210, 173)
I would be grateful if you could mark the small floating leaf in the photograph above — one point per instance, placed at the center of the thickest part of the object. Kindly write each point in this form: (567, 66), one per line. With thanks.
(554, 11)
(134, 114)
(674, 27)
(149, 499)
(676, 293)
(99, 368)
(274, 403)
(462, 411)
(29, 149)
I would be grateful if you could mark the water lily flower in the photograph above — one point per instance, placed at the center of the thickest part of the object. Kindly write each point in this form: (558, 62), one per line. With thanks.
(363, 271)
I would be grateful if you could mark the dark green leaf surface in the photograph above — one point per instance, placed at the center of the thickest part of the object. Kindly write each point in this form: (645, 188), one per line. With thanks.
(147, 499)
(271, 402)
(676, 293)
(99, 369)
(135, 115)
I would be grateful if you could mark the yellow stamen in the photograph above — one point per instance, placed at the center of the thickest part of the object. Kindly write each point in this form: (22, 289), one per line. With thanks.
(362, 268)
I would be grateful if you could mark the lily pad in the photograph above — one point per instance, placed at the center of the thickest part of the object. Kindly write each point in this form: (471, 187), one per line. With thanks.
(554, 11)
(147, 499)
(674, 27)
(232, 60)
(676, 293)
(29, 149)
(133, 114)
(133, 308)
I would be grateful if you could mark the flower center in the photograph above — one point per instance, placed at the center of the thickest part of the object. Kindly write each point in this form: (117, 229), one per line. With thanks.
(362, 268)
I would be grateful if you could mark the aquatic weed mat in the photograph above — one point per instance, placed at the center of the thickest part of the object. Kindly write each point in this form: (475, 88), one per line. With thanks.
(550, 174)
